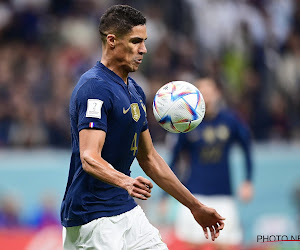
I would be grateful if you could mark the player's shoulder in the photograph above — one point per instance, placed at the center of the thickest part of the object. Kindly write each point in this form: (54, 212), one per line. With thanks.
(91, 86)
(94, 76)
(91, 79)
(231, 116)
(227, 113)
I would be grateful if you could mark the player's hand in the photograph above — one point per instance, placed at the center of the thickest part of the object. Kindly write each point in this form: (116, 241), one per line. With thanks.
(209, 219)
(246, 191)
(140, 188)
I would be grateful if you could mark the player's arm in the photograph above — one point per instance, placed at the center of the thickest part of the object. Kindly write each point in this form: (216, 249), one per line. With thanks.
(158, 170)
(91, 142)
(243, 136)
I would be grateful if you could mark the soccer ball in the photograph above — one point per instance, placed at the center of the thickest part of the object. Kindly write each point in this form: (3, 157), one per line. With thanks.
(178, 107)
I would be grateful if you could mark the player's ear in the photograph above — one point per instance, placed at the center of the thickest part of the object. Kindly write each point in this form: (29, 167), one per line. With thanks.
(111, 40)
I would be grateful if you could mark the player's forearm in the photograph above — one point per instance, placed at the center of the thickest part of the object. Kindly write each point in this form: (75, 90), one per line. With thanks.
(158, 170)
(102, 170)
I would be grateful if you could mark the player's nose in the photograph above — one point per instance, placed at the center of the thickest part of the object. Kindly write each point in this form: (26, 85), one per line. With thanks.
(143, 49)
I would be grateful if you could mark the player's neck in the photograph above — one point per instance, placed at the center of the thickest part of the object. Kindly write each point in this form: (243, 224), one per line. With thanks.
(212, 112)
(115, 68)
(210, 115)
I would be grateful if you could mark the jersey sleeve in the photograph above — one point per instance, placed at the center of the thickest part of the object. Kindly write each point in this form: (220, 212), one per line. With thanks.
(243, 137)
(94, 101)
(145, 126)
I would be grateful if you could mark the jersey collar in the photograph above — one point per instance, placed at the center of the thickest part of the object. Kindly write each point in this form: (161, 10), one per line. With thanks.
(111, 74)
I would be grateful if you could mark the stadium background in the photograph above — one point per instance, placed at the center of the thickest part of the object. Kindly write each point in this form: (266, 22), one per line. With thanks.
(251, 46)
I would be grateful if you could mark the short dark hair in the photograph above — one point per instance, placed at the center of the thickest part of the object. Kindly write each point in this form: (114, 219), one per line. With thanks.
(119, 20)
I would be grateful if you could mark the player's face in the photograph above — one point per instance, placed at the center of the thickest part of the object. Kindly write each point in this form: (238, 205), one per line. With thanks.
(210, 93)
(131, 48)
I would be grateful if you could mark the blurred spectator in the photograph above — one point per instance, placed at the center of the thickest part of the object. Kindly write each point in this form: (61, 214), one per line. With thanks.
(252, 104)
(280, 121)
(46, 213)
(9, 212)
(296, 16)
(251, 45)
(288, 79)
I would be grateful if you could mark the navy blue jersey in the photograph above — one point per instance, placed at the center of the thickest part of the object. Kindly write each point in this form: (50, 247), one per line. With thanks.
(207, 148)
(101, 100)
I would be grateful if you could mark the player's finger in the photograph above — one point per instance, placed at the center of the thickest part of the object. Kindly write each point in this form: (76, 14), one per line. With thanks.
(217, 230)
(142, 186)
(146, 193)
(145, 181)
(149, 189)
(205, 232)
(212, 232)
(149, 184)
(140, 196)
(221, 225)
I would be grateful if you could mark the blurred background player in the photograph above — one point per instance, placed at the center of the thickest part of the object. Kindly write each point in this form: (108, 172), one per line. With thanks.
(207, 149)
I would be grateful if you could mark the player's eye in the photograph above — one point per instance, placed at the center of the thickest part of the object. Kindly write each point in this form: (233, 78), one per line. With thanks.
(136, 40)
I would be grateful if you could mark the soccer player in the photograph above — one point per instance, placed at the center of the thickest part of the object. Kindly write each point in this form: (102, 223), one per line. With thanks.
(207, 149)
(109, 129)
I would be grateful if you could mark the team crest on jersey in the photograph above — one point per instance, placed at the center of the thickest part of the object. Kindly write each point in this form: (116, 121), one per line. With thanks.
(135, 111)
(209, 134)
(222, 132)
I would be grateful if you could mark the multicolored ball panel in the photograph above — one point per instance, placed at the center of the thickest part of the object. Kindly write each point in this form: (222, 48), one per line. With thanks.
(178, 107)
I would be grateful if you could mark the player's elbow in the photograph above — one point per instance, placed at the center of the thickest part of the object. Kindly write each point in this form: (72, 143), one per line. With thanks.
(86, 160)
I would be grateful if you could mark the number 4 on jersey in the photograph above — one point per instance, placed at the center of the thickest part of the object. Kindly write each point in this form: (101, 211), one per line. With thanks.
(133, 144)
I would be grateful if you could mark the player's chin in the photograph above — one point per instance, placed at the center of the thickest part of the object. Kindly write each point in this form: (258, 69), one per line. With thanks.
(134, 67)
